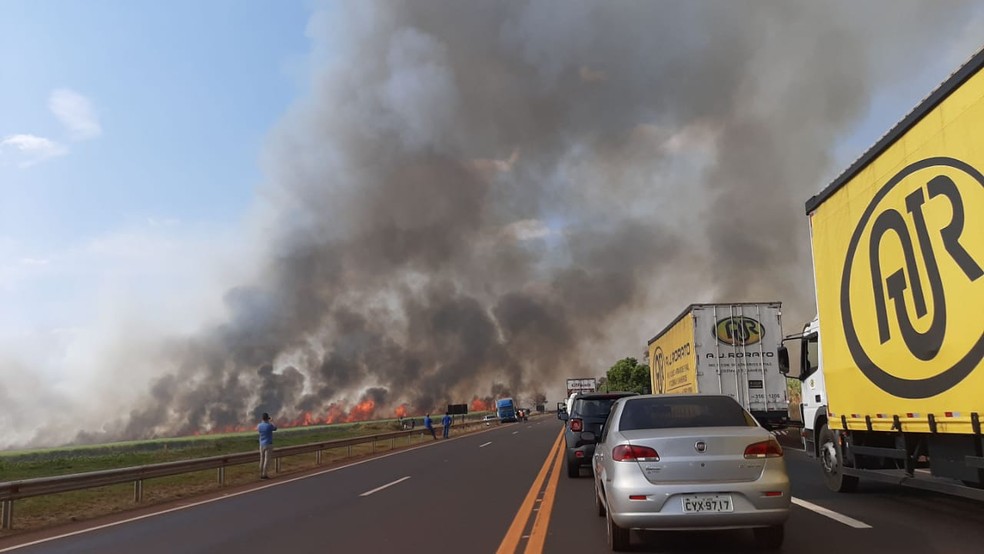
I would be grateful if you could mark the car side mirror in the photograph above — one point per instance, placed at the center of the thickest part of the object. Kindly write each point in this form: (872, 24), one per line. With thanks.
(783, 360)
(562, 416)
(587, 436)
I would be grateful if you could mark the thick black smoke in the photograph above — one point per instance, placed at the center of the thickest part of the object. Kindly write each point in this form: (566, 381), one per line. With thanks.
(488, 197)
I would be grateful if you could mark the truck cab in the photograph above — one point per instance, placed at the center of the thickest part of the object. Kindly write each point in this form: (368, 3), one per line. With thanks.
(813, 395)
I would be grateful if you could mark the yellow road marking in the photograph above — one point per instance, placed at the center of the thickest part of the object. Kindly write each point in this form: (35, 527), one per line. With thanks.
(515, 533)
(538, 536)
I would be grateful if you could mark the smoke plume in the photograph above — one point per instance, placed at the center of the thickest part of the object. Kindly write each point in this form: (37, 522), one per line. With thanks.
(484, 198)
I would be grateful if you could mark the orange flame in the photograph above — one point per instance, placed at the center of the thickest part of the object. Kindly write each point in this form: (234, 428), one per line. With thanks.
(306, 418)
(335, 414)
(480, 405)
(402, 410)
(362, 411)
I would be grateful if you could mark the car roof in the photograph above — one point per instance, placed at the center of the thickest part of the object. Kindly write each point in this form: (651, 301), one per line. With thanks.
(682, 395)
(604, 395)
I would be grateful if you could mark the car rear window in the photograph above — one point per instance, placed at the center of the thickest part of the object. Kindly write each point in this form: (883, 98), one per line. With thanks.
(684, 411)
(594, 407)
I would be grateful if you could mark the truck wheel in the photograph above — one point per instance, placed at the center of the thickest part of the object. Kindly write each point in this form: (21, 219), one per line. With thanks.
(769, 538)
(573, 468)
(831, 461)
(618, 537)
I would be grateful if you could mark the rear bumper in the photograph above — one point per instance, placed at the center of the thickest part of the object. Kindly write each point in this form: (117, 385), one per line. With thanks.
(586, 452)
(663, 505)
(683, 522)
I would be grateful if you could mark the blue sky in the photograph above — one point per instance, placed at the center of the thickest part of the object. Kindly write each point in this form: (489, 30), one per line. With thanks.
(181, 96)
(144, 124)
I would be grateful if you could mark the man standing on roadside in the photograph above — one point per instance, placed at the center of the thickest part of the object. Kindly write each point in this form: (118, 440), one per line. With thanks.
(265, 429)
(429, 425)
(446, 423)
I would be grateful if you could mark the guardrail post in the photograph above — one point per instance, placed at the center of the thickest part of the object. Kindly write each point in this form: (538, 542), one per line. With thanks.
(392, 443)
(319, 458)
(350, 451)
(373, 445)
(221, 473)
(7, 517)
(277, 465)
(138, 490)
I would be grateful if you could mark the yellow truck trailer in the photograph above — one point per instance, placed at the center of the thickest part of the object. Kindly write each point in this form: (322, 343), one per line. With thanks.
(727, 349)
(892, 368)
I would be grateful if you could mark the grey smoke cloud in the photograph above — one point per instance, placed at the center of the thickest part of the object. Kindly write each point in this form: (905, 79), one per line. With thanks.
(655, 154)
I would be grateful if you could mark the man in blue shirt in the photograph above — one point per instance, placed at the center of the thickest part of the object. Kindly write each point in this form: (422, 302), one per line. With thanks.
(429, 425)
(446, 422)
(265, 429)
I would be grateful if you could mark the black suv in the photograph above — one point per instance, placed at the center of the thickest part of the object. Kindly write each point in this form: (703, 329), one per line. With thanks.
(588, 414)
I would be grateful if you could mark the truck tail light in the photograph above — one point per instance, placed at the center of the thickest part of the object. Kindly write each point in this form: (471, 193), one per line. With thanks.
(577, 425)
(764, 449)
(630, 452)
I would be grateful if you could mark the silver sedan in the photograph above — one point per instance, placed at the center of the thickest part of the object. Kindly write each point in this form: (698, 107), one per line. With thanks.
(688, 462)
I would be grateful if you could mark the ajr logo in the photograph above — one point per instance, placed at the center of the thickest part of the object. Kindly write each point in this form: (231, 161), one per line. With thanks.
(908, 280)
(659, 361)
(739, 331)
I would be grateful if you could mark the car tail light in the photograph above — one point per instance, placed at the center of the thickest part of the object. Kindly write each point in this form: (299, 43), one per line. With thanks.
(577, 425)
(764, 449)
(630, 452)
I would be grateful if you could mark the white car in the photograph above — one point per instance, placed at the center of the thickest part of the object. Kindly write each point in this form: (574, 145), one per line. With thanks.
(686, 462)
(490, 419)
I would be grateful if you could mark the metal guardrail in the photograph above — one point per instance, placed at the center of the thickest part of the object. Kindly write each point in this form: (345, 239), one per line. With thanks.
(40, 486)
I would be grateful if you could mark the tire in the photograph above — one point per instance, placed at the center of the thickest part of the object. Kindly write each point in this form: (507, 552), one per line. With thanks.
(599, 505)
(769, 538)
(831, 462)
(618, 537)
(573, 468)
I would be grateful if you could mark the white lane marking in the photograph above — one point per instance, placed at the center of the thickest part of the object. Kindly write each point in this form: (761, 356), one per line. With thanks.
(386, 486)
(276, 483)
(484, 445)
(515, 432)
(840, 518)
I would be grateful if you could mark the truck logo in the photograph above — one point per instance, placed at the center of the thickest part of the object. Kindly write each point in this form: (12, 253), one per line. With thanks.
(738, 331)
(911, 237)
(659, 361)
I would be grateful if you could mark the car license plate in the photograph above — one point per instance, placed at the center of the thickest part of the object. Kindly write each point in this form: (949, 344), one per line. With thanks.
(708, 503)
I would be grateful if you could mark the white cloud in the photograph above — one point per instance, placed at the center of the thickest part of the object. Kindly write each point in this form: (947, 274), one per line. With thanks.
(34, 261)
(28, 150)
(76, 113)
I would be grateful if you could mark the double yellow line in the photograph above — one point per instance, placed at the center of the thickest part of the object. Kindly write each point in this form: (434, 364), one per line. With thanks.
(538, 534)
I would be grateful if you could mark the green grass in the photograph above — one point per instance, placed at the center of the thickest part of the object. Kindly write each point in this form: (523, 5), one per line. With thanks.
(80, 459)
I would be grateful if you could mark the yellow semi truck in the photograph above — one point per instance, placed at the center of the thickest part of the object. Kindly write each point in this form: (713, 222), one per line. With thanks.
(727, 349)
(891, 370)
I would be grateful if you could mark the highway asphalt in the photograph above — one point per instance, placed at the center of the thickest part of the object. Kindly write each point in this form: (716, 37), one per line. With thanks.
(491, 490)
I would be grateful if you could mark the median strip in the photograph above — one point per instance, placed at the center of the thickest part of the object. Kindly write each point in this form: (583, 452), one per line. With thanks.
(386, 486)
(538, 535)
(840, 518)
(510, 543)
